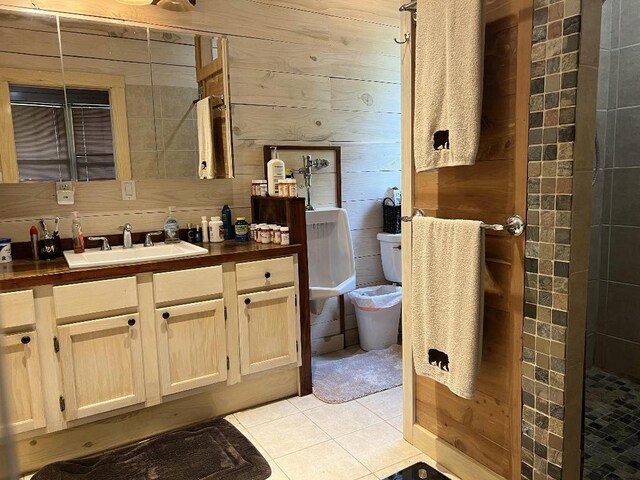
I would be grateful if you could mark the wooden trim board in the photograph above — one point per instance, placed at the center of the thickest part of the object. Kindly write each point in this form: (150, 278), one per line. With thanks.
(134, 426)
(450, 457)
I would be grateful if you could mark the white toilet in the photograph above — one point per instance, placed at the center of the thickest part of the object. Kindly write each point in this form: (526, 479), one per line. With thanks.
(391, 252)
(378, 309)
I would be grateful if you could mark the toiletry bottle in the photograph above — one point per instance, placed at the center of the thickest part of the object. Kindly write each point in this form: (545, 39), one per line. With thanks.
(191, 233)
(56, 237)
(76, 234)
(171, 228)
(199, 234)
(204, 225)
(227, 222)
(216, 230)
(275, 172)
(242, 230)
(35, 249)
(284, 236)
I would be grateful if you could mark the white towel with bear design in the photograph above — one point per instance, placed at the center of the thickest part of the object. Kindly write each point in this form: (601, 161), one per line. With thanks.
(447, 301)
(448, 83)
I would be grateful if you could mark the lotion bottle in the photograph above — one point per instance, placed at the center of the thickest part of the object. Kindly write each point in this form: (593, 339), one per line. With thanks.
(275, 172)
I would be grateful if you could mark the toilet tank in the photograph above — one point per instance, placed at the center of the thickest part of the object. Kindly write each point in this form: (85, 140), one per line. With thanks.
(391, 253)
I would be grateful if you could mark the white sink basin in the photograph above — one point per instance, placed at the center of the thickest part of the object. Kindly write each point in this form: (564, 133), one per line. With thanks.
(94, 257)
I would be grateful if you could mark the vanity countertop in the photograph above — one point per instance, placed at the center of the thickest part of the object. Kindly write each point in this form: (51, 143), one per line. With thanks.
(29, 273)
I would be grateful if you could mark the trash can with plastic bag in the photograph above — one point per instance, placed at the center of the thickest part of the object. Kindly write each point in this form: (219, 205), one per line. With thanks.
(378, 312)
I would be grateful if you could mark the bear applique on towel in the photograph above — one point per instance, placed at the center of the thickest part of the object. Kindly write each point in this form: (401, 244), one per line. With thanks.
(439, 359)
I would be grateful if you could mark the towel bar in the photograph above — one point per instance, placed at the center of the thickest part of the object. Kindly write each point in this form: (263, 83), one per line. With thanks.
(515, 224)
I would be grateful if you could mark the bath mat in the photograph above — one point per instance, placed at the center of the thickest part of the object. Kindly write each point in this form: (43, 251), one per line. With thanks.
(340, 380)
(212, 450)
(419, 471)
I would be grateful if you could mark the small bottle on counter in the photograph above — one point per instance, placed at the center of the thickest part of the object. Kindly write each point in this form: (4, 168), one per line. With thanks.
(204, 226)
(265, 234)
(35, 250)
(242, 230)
(277, 235)
(198, 234)
(216, 230)
(284, 236)
(76, 234)
(5, 250)
(293, 187)
(252, 231)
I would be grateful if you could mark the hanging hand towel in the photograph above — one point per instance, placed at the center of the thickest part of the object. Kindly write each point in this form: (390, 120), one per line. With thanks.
(447, 301)
(448, 82)
(206, 157)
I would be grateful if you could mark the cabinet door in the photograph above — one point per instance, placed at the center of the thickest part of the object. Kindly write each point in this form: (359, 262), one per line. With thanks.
(101, 365)
(23, 389)
(268, 329)
(192, 348)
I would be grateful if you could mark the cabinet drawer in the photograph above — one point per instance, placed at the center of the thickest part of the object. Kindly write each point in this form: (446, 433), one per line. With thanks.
(187, 285)
(95, 298)
(264, 274)
(17, 309)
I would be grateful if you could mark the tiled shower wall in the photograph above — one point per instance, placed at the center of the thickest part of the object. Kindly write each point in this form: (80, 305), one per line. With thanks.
(613, 333)
(554, 73)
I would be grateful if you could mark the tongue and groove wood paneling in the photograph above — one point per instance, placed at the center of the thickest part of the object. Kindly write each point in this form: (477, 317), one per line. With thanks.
(302, 71)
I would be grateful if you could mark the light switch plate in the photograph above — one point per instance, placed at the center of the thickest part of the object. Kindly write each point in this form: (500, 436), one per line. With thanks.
(65, 193)
(128, 190)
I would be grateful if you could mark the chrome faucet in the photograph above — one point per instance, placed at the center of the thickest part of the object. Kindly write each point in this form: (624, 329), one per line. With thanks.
(126, 236)
(147, 239)
(105, 242)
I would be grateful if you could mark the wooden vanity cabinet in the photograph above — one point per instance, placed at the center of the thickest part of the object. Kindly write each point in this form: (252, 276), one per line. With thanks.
(267, 314)
(268, 330)
(190, 329)
(22, 381)
(102, 366)
(192, 348)
(21, 362)
(99, 346)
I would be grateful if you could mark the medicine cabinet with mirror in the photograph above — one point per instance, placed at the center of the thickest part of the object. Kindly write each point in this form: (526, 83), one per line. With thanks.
(86, 101)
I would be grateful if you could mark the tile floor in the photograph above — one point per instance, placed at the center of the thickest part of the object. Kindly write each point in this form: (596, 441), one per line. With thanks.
(612, 427)
(304, 438)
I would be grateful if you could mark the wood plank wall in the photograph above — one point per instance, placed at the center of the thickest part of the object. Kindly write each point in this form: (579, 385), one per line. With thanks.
(487, 428)
(302, 71)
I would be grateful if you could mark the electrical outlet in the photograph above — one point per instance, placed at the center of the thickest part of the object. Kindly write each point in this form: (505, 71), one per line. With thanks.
(65, 192)
(128, 190)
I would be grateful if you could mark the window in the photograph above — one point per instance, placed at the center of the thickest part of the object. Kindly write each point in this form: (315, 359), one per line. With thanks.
(62, 140)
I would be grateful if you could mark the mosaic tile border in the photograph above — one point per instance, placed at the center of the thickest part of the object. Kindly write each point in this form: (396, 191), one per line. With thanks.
(552, 118)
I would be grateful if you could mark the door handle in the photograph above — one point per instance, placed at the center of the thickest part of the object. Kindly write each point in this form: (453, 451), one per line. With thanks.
(247, 301)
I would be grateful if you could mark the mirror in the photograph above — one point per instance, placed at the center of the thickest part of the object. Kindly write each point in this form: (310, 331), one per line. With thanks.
(28, 68)
(126, 103)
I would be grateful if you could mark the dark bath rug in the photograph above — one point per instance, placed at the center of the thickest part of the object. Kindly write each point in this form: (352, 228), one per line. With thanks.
(419, 471)
(212, 450)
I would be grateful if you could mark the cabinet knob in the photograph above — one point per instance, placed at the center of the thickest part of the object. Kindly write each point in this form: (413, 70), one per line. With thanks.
(132, 322)
(25, 340)
(267, 275)
(247, 301)
(166, 315)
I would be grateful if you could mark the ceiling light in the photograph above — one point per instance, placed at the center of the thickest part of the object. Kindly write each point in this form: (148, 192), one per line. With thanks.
(176, 5)
(135, 2)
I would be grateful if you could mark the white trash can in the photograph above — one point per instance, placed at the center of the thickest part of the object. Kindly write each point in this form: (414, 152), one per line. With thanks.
(378, 312)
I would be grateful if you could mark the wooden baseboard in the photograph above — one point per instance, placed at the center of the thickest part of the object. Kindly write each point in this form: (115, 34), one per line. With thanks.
(449, 457)
(113, 432)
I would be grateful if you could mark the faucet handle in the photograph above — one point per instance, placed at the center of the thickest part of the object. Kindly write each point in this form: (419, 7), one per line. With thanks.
(105, 242)
(147, 238)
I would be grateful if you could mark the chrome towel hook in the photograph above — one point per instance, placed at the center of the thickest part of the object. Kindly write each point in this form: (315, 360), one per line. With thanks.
(407, 37)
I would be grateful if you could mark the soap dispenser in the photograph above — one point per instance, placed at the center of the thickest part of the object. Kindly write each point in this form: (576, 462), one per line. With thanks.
(275, 172)
(171, 228)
